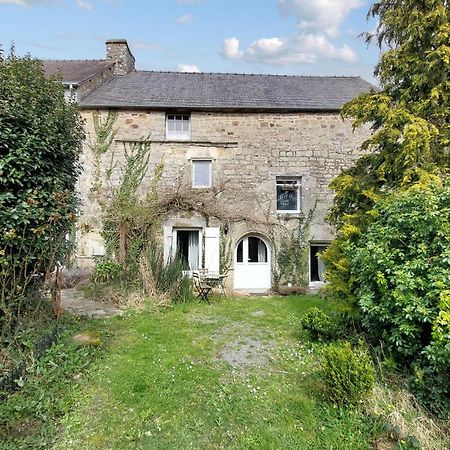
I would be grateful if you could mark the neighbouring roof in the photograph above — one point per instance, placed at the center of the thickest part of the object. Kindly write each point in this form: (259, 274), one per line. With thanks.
(215, 91)
(75, 72)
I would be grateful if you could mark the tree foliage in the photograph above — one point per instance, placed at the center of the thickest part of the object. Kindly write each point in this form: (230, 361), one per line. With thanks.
(410, 115)
(40, 140)
(390, 261)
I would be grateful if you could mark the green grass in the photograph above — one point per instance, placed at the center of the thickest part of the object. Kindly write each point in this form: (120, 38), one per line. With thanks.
(168, 379)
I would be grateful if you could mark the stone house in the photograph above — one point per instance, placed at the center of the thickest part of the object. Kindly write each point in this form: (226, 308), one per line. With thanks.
(254, 154)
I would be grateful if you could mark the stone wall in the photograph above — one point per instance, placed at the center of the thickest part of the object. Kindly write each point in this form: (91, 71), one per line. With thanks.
(248, 151)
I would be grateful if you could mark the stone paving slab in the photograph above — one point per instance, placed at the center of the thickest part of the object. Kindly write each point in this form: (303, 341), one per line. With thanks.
(74, 301)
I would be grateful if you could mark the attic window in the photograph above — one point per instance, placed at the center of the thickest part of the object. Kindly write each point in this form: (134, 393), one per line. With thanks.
(288, 195)
(178, 126)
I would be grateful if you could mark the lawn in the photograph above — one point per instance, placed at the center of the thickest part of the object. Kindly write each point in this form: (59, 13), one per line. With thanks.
(231, 375)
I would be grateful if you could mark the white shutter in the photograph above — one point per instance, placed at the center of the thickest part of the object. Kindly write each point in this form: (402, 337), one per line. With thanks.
(212, 237)
(167, 244)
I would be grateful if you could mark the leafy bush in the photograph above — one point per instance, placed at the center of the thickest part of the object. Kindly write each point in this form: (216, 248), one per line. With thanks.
(347, 372)
(401, 270)
(319, 325)
(106, 271)
(40, 140)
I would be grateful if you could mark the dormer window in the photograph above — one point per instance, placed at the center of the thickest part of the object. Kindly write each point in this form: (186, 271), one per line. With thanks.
(178, 127)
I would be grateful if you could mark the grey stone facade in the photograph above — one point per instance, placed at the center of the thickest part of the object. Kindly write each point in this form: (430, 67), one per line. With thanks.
(252, 131)
(248, 151)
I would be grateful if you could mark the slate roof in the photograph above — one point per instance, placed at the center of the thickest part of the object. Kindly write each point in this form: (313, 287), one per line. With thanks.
(75, 72)
(215, 91)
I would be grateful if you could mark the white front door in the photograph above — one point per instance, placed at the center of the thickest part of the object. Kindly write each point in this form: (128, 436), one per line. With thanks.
(252, 265)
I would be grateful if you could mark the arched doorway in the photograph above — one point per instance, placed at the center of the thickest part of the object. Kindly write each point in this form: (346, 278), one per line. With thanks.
(252, 268)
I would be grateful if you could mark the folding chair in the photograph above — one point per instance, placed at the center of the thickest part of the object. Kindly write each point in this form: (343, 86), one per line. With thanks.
(203, 289)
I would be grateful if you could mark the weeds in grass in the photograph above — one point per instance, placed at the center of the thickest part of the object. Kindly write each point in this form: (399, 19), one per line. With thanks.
(30, 416)
(403, 416)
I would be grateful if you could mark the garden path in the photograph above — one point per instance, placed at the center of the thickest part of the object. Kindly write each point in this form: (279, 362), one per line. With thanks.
(73, 300)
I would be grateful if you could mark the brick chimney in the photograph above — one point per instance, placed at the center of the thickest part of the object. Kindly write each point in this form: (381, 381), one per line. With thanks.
(117, 50)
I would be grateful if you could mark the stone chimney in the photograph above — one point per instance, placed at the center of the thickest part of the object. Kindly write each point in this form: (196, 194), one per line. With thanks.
(117, 50)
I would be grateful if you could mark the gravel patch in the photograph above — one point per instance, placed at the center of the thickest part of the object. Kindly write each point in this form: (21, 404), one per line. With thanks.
(246, 353)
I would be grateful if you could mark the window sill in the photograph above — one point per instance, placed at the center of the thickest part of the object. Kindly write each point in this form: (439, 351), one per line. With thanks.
(290, 214)
(177, 139)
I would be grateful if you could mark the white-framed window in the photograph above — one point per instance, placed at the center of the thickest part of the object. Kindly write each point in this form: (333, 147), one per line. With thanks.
(201, 173)
(178, 126)
(288, 194)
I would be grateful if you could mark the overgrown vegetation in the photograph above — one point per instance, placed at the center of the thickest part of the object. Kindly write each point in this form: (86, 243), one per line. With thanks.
(293, 252)
(47, 390)
(130, 218)
(164, 280)
(389, 263)
(407, 304)
(40, 140)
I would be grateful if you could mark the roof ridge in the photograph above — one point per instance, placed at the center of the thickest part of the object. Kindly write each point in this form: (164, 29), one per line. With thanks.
(247, 74)
(76, 60)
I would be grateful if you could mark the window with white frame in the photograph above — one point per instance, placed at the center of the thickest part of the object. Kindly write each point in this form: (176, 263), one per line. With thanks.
(201, 173)
(178, 126)
(288, 195)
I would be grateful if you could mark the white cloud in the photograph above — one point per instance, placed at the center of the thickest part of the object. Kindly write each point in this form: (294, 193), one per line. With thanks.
(302, 48)
(83, 4)
(230, 49)
(188, 18)
(188, 68)
(320, 16)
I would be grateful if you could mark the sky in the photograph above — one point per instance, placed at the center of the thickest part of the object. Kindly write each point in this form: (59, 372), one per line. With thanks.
(292, 37)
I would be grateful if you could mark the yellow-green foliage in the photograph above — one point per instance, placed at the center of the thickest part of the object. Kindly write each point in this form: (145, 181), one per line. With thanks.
(392, 247)
(347, 372)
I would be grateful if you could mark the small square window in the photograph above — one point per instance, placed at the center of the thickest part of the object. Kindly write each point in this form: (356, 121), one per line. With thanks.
(288, 195)
(178, 127)
(201, 173)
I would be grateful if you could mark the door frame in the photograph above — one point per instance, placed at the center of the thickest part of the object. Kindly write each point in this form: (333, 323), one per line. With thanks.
(243, 264)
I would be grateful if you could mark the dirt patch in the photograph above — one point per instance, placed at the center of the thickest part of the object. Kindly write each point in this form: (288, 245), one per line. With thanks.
(246, 353)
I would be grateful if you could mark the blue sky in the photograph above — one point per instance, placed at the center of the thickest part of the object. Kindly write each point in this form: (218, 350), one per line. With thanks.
(304, 37)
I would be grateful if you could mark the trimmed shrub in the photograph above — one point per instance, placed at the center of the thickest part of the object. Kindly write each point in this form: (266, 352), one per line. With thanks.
(347, 372)
(319, 325)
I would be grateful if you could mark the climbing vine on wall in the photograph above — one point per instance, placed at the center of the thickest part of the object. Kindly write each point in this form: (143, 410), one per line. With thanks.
(292, 252)
(104, 137)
